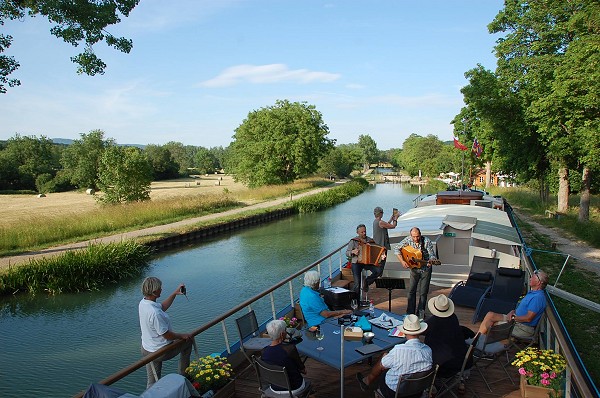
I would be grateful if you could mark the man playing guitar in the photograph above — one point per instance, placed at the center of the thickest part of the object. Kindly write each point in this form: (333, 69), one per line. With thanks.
(420, 270)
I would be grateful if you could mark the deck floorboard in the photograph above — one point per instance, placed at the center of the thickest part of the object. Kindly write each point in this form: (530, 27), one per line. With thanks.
(325, 379)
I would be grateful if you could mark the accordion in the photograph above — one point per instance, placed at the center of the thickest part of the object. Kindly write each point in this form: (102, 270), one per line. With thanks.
(369, 253)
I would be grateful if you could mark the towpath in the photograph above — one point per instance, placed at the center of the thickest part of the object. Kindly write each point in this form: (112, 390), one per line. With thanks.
(9, 261)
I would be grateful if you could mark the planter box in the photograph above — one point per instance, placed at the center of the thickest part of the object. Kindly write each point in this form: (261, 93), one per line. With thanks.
(528, 391)
(227, 391)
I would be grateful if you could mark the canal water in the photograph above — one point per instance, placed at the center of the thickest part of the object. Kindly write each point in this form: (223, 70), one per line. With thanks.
(56, 346)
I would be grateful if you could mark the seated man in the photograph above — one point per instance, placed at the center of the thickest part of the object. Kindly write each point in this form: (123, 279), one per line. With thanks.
(312, 304)
(444, 336)
(283, 354)
(529, 310)
(353, 252)
(410, 357)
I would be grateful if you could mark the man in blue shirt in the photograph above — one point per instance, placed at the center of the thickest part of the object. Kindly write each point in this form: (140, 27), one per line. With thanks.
(312, 304)
(528, 312)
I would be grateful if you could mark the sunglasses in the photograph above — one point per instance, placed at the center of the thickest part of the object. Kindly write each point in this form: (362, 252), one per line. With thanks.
(536, 272)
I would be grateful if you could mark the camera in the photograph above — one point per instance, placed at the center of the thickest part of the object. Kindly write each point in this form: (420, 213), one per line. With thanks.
(182, 290)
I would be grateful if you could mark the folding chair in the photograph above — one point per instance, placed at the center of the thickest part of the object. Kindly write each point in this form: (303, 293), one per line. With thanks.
(467, 293)
(276, 375)
(503, 296)
(448, 384)
(414, 385)
(491, 347)
(247, 327)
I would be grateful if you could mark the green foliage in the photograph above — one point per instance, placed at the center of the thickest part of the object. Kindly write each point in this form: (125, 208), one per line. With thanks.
(124, 175)
(204, 161)
(81, 159)
(336, 163)
(278, 144)
(370, 153)
(163, 165)
(23, 159)
(331, 197)
(81, 22)
(428, 154)
(76, 271)
(183, 155)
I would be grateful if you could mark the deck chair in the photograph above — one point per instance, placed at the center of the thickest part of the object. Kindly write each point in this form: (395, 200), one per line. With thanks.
(277, 375)
(250, 340)
(446, 385)
(492, 348)
(467, 293)
(414, 385)
(503, 296)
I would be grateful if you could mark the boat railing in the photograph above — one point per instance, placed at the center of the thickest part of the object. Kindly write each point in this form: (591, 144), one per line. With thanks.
(327, 266)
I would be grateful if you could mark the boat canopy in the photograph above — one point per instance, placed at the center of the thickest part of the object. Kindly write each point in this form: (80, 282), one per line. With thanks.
(487, 224)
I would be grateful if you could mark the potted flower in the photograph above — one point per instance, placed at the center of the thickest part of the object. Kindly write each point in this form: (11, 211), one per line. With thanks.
(210, 373)
(540, 370)
(291, 324)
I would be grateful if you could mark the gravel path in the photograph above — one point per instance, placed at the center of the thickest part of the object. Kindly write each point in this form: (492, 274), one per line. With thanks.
(588, 257)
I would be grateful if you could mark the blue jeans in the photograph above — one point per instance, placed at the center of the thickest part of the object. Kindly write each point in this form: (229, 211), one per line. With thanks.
(356, 273)
(419, 282)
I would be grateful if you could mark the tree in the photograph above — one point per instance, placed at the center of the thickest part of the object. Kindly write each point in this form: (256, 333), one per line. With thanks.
(370, 153)
(335, 163)
(183, 155)
(278, 144)
(124, 176)
(162, 162)
(204, 161)
(81, 159)
(24, 159)
(423, 154)
(76, 22)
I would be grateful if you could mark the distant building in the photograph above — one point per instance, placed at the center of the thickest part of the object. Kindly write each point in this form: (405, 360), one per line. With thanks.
(496, 179)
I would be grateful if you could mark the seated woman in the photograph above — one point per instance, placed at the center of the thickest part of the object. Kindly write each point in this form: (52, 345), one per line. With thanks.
(444, 336)
(282, 354)
(312, 304)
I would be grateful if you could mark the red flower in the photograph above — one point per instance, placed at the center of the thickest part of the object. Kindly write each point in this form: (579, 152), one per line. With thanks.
(196, 385)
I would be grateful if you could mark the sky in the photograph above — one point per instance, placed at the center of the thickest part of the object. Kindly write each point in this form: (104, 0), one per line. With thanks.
(386, 68)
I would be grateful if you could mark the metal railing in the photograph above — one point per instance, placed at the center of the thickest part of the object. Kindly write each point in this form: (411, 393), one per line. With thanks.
(337, 255)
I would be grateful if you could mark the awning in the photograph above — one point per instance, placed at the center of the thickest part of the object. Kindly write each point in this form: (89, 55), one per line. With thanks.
(497, 233)
(462, 223)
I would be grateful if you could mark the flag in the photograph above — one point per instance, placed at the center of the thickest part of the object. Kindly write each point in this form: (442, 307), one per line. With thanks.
(458, 145)
(477, 148)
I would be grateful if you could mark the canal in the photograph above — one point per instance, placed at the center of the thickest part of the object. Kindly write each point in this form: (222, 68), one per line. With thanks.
(57, 346)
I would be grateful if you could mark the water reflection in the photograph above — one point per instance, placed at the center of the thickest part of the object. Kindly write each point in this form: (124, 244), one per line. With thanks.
(71, 340)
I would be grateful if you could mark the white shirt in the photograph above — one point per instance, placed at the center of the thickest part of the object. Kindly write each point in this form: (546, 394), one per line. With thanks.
(410, 357)
(154, 322)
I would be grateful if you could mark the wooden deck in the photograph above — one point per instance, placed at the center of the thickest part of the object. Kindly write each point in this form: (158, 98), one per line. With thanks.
(325, 379)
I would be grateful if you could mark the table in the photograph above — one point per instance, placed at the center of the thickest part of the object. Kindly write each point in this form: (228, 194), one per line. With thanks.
(341, 353)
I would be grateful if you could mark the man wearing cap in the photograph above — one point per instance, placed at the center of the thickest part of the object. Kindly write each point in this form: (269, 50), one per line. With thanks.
(408, 358)
(444, 336)
(381, 237)
(528, 312)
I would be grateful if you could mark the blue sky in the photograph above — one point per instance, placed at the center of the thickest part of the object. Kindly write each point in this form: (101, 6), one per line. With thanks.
(198, 67)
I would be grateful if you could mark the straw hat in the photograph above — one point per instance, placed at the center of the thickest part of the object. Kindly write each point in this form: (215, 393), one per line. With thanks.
(441, 306)
(411, 325)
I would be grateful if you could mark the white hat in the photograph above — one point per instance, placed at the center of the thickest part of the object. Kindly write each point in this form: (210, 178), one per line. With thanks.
(441, 306)
(411, 325)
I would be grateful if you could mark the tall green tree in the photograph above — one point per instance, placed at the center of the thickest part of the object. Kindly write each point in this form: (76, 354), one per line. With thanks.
(163, 164)
(81, 159)
(278, 144)
(370, 153)
(335, 163)
(124, 176)
(538, 36)
(183, 155)
(24, 159)
(205, 161)
(76, 22)
(423, 154)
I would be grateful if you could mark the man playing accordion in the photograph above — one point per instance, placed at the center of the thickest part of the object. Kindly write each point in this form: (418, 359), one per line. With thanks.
(361, 261)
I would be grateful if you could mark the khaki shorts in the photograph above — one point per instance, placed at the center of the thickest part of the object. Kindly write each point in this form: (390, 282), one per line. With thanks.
(523, 331)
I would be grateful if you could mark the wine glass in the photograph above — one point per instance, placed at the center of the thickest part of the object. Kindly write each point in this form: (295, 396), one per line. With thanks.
(354, 305)
(319, 335)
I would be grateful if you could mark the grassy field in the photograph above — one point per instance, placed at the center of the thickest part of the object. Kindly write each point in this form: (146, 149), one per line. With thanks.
(30, 223)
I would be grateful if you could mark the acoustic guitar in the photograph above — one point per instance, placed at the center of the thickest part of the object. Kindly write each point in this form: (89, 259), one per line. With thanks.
(414, 257)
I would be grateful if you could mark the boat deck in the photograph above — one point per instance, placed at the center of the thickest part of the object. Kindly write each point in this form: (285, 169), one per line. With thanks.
(325, 379)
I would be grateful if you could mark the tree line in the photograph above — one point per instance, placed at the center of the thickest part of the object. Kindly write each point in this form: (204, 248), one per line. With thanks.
(537, 115)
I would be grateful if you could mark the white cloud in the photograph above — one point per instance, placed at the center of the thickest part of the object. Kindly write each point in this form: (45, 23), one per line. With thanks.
(267, 74)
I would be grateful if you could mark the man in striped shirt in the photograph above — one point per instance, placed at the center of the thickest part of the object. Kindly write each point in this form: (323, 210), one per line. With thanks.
(408, 358)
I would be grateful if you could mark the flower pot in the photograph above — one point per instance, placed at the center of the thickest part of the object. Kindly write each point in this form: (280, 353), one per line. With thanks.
(227, 391)
(529, 391)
